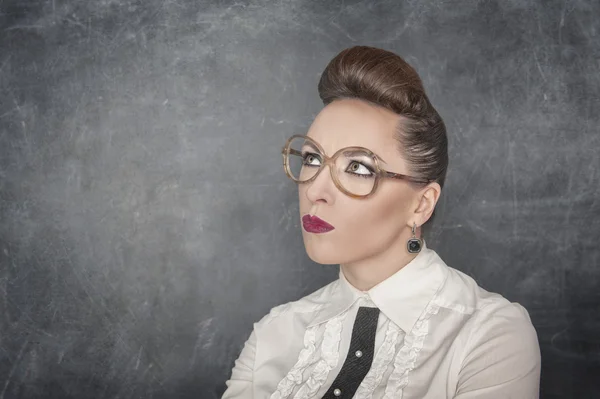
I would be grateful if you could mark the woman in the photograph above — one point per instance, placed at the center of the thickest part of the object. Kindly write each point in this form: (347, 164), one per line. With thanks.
(399, 322)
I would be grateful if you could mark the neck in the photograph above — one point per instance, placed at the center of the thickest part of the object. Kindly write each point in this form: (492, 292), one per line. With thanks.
(366, 273)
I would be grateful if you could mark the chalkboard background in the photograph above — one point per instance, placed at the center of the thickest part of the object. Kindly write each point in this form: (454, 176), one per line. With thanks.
(145, 219)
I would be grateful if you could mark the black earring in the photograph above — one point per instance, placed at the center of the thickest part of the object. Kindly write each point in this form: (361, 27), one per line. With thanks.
(414, 244)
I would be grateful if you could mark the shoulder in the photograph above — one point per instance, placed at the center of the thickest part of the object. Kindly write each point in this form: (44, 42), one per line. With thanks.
(505, 323)
(499, 348)
(485, 312)
(492, 323)
(460, 292)
(306, 305)
(502, 321)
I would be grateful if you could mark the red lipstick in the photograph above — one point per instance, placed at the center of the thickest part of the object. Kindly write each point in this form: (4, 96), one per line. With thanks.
(313, 224)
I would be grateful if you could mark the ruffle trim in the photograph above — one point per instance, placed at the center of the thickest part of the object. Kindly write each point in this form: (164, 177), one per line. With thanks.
(381, 362)
(407, 356)
(328, 359)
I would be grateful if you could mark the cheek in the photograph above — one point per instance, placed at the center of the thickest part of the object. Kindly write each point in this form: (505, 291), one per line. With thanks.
(363, 228)
(302, 200)
(375, 225)
(375, 221)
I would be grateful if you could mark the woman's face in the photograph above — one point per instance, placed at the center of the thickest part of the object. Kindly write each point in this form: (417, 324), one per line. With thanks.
(362, 227)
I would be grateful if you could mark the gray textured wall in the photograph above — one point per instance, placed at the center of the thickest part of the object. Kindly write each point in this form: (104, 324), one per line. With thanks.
(146, 222)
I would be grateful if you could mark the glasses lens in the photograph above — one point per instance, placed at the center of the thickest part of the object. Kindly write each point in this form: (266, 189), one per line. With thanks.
(356, 171)
(304, 159)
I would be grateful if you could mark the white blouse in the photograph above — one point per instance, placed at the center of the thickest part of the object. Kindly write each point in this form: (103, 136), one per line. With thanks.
(439, 335)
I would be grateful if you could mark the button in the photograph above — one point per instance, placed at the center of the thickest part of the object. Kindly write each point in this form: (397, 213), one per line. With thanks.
(358, 354)
(337, 392)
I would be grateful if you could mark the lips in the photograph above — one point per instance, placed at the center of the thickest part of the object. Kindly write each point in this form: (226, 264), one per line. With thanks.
(313, 224)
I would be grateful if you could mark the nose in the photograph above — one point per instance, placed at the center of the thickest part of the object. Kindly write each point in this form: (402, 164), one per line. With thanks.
(322, 188)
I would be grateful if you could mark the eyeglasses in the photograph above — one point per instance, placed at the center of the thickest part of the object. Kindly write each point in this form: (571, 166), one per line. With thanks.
(354, 170)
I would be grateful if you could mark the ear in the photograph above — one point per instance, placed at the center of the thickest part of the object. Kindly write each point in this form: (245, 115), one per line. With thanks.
(427, 198)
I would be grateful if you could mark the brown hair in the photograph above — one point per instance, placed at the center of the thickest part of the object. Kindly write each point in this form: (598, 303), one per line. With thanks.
(383, 78)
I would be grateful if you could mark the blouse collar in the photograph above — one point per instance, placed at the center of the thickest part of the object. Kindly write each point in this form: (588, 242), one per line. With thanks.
(402, 297)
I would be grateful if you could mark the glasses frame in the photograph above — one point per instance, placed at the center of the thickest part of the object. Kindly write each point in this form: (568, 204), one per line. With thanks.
(380, 173)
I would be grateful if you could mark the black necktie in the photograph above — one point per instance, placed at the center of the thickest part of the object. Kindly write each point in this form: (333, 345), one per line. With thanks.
(359, 357)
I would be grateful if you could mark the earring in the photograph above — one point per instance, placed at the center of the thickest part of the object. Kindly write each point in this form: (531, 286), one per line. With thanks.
(414, 244)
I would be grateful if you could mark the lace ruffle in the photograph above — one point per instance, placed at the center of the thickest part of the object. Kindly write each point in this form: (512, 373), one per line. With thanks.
(381, 362)
(406, 358)
(330, 355)
(328, 360)
(294, 376)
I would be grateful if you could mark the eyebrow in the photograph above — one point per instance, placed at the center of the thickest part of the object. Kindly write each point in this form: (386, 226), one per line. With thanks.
(310, 145)
(350, 152)
(358, 152)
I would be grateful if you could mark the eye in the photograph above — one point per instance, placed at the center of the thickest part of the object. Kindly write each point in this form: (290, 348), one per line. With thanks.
(311, 159)
(357, 168)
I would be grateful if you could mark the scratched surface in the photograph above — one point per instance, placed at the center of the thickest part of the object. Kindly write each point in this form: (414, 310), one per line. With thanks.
(146, 223)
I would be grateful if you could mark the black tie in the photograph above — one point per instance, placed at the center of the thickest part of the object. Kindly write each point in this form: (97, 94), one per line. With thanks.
(359, 357)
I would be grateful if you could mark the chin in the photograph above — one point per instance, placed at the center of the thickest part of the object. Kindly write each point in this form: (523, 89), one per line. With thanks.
(322, 254)
(322, 259)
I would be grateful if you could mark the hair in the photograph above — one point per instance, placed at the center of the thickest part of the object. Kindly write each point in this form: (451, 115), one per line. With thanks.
(383, 78)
